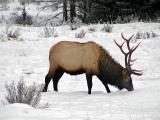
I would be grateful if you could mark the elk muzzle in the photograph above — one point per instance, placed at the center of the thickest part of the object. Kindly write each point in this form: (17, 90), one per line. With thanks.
(130, 86)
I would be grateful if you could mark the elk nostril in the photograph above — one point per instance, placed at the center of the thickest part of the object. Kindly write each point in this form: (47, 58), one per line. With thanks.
(131, 89)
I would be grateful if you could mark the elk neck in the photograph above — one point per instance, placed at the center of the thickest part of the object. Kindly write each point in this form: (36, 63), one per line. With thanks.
(109, 69)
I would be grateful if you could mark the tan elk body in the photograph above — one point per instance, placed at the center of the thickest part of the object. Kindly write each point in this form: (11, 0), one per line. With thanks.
(75, 57)
(90, 58)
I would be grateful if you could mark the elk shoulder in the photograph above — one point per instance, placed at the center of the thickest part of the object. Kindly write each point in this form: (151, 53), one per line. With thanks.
(74, 56)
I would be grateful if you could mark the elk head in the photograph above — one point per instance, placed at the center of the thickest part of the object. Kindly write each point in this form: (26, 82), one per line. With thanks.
(128, 71)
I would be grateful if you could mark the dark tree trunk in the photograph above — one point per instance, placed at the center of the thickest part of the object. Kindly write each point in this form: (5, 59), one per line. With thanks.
(65, 16)
(72, 10)
(24, 14)
(85, 12)
(89, 5)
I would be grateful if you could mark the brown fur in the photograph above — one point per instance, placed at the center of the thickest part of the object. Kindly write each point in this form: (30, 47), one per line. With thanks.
(74, 56)
(90, 58)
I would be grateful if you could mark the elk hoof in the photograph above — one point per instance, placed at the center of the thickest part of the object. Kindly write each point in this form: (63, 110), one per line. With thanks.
(108, 91)
(44, 90)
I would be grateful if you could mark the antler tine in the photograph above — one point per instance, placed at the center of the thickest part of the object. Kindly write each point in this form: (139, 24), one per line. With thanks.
(128, 61)
(137, 72)
(125, 54)
(131, 64)
(120, 47)
(134, 48)
(123, 37)
(130, 54)
(127, 41)
(126, 38)
(133, 60)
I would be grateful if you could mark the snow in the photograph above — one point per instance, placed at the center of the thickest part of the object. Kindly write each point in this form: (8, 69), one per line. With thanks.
(38, 11)
(30, 58)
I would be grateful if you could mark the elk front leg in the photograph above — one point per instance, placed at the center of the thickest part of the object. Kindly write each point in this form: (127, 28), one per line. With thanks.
(107, 88)
(89, 82)
(104, 83)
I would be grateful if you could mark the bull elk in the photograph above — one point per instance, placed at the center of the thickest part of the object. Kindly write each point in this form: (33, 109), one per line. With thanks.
(92, 59)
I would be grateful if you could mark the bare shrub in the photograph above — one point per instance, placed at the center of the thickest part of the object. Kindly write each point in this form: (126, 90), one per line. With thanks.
(146, 35)
(138, 35)
(3, 37)
(13, 34)
(72, 26)
(50, 32)
(107, 28)
(24, 18)
(20, 93)
(80, 34)
(76, 23)
(154, 34)
(92, 29)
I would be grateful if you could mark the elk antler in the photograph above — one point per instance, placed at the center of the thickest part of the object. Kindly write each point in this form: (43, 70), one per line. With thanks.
(128, 60)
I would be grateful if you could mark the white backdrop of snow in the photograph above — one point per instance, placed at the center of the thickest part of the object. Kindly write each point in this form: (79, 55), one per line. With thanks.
(72, 102)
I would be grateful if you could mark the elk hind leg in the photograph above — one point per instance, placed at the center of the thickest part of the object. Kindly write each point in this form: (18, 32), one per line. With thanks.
(48, 77)
(47, 81)
(58, 74)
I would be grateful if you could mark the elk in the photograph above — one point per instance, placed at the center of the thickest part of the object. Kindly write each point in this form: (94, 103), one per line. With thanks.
(92, 59)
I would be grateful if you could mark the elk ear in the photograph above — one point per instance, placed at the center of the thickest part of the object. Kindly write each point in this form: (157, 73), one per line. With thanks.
(125, 74)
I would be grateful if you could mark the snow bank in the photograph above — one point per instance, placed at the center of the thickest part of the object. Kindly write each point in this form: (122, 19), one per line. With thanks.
(72, 102)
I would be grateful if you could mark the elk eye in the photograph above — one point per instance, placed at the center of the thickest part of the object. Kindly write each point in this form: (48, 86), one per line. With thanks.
(129, 78)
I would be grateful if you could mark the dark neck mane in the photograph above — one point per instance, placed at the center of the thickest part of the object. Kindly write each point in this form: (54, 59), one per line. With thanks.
(110, 70)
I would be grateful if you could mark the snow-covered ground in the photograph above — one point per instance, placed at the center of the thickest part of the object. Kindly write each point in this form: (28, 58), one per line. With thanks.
(29, 57)
(38, 11)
